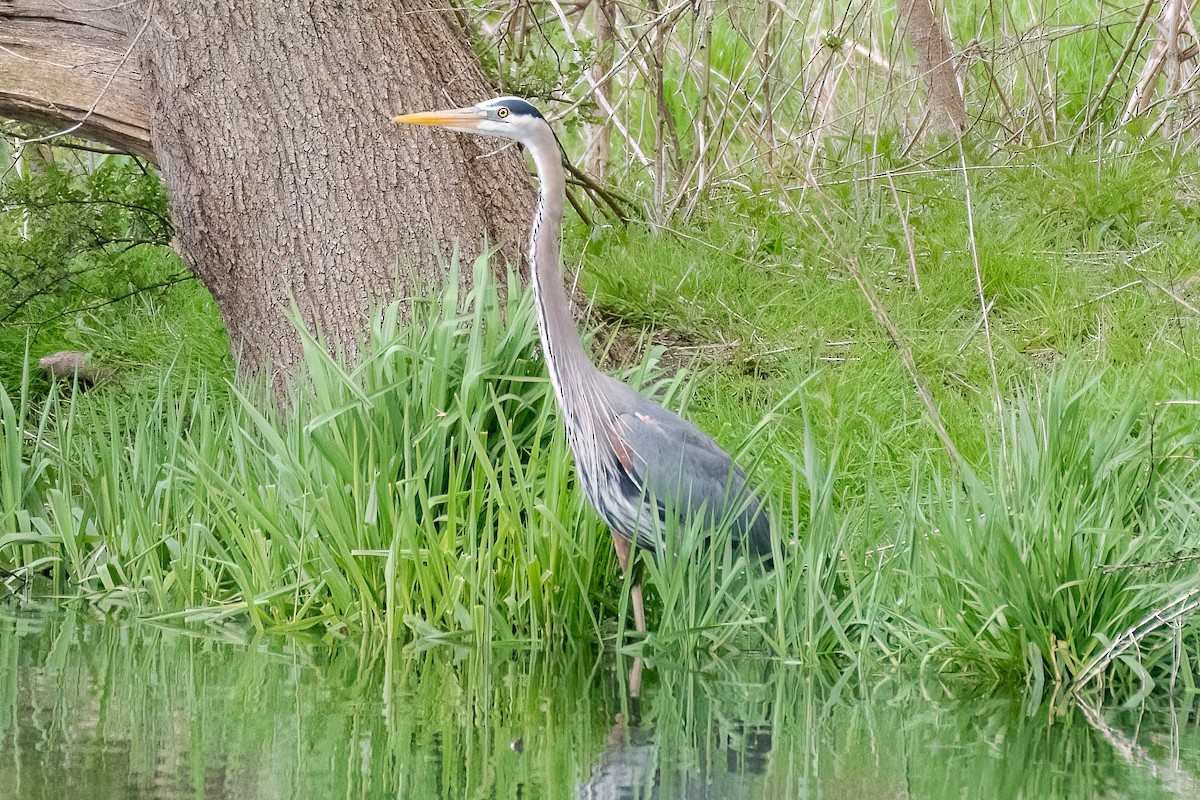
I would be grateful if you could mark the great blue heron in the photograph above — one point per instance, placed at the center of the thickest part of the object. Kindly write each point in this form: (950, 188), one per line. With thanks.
(636, 460)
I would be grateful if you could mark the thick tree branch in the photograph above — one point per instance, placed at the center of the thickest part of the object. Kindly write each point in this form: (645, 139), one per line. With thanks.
(65, 67)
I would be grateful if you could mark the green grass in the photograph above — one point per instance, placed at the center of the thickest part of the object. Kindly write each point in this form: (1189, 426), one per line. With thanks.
(426, 491)
(85, 266)
(393, 494)
(1084, 526)
(1072, 264)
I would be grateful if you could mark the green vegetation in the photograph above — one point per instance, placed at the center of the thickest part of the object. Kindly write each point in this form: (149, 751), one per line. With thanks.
(343, 721)
(965, 378)
(84, 266)
(427, 490)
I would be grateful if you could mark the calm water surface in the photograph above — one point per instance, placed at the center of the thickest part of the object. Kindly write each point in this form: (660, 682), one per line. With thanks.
(105, 709)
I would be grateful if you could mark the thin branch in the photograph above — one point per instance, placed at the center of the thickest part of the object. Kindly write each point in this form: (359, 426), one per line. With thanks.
(92, 307)
(1130, 46)
(612, 198)
(984, 305)
(906, 357)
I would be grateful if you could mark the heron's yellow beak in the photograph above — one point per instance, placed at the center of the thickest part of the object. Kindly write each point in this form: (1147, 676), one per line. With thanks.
(449, 118)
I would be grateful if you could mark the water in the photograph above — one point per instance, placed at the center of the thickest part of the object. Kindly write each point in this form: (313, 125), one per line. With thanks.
(107, 709)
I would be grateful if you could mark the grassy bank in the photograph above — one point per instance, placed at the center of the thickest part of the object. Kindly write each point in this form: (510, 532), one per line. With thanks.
(427, 491)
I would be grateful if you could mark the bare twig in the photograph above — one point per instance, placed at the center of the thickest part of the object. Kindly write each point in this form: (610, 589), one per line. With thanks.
(902, 212)
(1130, 46)
(984, 304)
(620, 206)
(93, 306)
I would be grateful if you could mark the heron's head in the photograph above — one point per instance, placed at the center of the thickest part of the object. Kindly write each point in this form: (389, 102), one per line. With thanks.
(506, 117)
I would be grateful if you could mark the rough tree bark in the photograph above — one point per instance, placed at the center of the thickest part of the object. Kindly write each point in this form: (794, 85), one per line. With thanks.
(57, 64)
(271, 123)
(945, 111)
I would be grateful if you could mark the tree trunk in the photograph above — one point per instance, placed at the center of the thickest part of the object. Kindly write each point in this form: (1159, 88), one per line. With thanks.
(271, 123)
(945, 111)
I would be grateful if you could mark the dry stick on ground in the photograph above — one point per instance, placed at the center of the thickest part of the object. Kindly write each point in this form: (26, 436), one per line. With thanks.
(1145, 278)
(910, 364)
(902, 212)
(1171, 613)
(1166, 562)
(1169, 292)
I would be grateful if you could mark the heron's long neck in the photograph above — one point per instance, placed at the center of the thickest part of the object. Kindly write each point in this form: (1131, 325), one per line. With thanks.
(568, 362)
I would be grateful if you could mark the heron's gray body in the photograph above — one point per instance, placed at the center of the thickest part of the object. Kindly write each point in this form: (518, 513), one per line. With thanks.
(647, 464)
(638, 462)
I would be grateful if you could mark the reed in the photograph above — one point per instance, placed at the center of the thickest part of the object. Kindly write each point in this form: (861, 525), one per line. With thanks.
(1081, 530)
(426, 493)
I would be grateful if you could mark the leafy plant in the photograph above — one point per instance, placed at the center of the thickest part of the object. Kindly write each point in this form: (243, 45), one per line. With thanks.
(1082, 527)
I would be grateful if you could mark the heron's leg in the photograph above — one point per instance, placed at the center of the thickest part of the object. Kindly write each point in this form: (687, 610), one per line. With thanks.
(635, 678)
(635, 593)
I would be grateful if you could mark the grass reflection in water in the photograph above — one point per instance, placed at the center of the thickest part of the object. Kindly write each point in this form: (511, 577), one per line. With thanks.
(108, 709)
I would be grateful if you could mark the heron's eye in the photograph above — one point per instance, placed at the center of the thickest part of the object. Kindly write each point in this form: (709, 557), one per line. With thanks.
(501, 112)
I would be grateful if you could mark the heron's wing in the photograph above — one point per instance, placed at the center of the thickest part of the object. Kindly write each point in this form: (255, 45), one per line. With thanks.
(670, 462)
